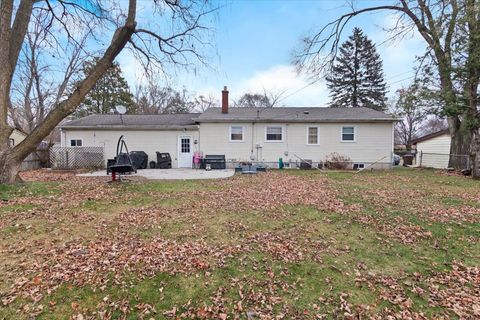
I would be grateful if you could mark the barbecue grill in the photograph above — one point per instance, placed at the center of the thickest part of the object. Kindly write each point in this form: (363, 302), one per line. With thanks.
(215, 162)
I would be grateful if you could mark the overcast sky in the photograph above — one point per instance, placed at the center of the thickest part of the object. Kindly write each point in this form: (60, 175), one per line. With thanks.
(253, 43)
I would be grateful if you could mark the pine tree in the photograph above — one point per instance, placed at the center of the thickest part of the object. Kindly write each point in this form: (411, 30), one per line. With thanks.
(110, 91)
(357, 75)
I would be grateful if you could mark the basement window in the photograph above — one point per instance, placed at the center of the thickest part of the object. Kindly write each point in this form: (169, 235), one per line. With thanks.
(76, 142)
(357, 166)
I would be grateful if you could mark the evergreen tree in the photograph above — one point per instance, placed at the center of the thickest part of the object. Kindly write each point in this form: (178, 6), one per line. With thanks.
(110, 91)
(357, 75)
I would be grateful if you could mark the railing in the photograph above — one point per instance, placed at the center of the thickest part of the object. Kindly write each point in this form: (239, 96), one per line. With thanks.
(76, 157)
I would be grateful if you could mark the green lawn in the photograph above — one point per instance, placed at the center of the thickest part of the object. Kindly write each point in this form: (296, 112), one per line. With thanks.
(291, 244)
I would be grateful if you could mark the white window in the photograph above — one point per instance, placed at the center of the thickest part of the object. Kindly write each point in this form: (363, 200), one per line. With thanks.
(274, 134)
(76, 142)
(236, 134)
(313, 135)
(357, 166)
(348, 134)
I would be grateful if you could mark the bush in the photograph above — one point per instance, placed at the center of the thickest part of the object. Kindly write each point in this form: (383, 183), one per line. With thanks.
(336, 161)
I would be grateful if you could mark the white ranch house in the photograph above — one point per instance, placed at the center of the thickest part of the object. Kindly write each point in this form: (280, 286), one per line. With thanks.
(244, 134)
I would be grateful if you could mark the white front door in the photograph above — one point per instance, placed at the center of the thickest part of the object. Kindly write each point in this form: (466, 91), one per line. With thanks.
(185, 153)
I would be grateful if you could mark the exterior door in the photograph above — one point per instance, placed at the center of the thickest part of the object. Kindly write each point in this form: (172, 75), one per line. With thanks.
(185, 153)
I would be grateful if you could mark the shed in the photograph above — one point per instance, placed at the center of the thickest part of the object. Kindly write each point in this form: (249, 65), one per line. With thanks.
(433, 149)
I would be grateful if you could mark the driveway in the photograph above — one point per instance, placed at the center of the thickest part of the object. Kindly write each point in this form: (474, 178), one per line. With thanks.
(172, 174)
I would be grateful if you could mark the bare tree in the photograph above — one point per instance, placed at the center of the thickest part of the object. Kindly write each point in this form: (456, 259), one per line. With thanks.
(433, 124)
(202, 102)
(450, 29)
(35, 90)
(259, 100)
(409, 109)
(156, 99)
(152, 44)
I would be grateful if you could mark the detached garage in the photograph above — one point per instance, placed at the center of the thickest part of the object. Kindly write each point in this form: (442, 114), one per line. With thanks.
(433, 150)
(176, 134)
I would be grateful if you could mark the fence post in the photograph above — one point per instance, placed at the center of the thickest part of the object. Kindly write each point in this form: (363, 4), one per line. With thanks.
(421, 156)
(476, 166)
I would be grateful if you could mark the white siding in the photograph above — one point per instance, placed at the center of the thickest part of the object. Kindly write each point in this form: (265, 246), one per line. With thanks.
(149, 141)
(17, 136)
(435, 152)
(372, 142)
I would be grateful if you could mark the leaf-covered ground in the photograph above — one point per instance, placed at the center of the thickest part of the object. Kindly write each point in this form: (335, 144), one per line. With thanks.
(401, 244)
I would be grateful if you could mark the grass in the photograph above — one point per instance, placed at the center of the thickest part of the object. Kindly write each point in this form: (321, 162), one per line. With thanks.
(295, 260)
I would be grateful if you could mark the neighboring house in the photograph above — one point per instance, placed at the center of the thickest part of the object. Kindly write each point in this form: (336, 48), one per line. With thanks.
(245, 134)
(433, 149)
(16, 137)
(33, 160)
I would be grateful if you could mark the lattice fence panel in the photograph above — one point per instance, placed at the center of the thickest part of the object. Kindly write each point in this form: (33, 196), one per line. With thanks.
(76, 157)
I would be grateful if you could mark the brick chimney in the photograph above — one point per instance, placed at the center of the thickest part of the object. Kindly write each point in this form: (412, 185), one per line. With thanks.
(225, 100)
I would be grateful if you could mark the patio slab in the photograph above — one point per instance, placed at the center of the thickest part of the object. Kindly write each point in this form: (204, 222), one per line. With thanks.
(171, 174)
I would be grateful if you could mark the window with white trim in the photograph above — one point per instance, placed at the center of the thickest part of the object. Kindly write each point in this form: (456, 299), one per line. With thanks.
(348, 134)
(357, 166)
(236, 133)
(274, 133)
(313, 135)
(11, 142)
(76, 142)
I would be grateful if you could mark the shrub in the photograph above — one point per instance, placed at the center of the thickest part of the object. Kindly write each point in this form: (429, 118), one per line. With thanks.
(336, 161)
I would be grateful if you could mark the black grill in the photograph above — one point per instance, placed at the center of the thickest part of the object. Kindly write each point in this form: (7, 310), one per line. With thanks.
(215, 161)
(164, 161)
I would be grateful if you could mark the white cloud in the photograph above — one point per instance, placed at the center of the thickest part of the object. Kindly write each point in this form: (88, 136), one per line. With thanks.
(299, 92)
(132, 69)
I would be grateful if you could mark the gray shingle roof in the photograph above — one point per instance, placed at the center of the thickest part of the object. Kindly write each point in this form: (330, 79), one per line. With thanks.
(295, 115)
(111, 121)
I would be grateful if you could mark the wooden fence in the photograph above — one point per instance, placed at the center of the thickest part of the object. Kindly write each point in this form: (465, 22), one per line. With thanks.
(36, 160)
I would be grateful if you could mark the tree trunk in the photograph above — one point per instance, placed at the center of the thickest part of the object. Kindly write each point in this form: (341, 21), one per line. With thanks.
(459, 144)
(475, 154)
(11, 158)
(9, 168)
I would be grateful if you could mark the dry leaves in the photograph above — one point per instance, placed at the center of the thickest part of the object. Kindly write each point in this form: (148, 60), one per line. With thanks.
(105, 248)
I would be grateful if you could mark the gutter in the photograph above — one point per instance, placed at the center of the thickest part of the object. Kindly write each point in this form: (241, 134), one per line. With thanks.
(133, 127)
(389, 120)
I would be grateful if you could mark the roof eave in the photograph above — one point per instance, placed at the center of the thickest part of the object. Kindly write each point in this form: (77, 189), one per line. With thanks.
(431, 136)
(295, 121)
(131, 127)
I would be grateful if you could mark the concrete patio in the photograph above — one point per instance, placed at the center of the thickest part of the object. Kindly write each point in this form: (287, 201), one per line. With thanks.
(172, 174)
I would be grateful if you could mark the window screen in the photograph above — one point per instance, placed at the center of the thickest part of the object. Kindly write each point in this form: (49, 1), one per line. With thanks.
(348, 134)
(312, 135)
(274, 134)
(236, 133)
